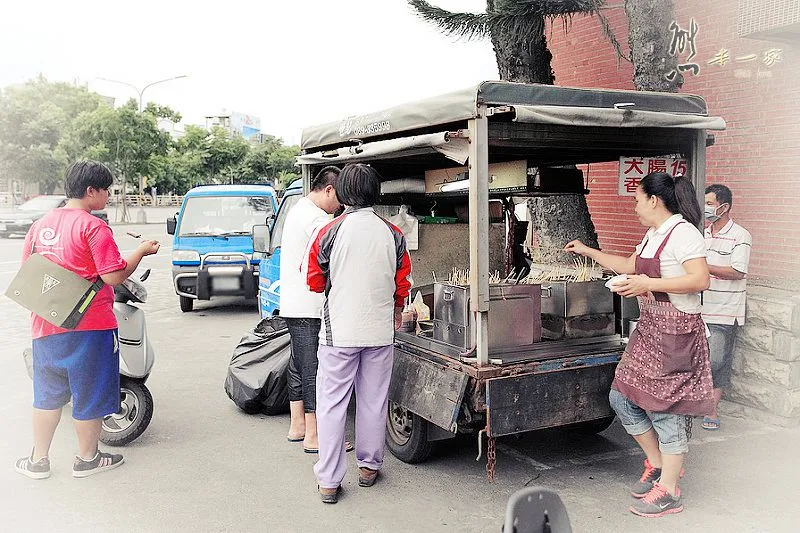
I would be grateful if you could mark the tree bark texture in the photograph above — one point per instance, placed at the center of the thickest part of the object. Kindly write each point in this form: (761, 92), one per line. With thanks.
(649, 40)
(555, 221)
(522, 58)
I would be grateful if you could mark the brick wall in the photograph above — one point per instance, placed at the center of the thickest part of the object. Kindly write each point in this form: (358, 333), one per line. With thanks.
(758, 156)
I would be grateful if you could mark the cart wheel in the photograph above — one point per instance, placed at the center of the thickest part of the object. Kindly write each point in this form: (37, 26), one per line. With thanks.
(591, 427)
(407, 435)
(186, 304)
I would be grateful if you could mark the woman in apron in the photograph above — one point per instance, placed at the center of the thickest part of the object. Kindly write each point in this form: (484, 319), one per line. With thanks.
(664, 374)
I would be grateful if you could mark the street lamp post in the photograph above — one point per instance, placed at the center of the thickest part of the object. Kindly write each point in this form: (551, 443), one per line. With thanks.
(143, 89)
(140, 92)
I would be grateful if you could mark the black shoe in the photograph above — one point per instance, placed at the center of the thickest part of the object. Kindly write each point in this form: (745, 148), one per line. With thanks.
(367, 476)
(100, 463)
(332, 497)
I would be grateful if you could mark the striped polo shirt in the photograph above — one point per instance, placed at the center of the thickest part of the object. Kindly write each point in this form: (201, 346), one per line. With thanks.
(724, 301)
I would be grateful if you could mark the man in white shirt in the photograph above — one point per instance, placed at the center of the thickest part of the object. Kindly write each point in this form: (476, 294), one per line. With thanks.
(728, 247)
(302, 308)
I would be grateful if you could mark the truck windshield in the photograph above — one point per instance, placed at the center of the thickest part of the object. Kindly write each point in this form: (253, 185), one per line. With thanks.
(224, 215)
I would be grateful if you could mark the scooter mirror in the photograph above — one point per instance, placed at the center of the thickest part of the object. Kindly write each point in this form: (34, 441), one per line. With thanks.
(145, 275)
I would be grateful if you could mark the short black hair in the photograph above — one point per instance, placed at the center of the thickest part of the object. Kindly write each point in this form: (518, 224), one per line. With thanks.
(359, 185)
(84, 174)
(722, 193)
(326, 176)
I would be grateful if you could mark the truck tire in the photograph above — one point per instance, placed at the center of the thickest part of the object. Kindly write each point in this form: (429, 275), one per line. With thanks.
(407, 435)
(186, 304)
(592, 427)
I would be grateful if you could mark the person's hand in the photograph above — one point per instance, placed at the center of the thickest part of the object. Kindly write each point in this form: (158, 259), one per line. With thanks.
(398, 317)
(635, 285)
(148, 247)
(577, 247)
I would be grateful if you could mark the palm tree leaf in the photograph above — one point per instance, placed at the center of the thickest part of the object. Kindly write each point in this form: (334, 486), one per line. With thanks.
(546, 8)
(466, 25)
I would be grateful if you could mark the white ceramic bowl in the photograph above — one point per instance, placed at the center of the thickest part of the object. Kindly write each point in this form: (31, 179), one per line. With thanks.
(610, 284)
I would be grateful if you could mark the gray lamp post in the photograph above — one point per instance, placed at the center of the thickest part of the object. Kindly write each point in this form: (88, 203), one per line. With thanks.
(143, 89)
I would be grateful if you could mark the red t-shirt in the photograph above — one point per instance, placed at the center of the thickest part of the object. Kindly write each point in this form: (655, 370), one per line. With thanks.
(78, 241)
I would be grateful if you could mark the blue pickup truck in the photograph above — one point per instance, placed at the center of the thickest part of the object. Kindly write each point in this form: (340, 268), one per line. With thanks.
(212, 251)
(269, 283)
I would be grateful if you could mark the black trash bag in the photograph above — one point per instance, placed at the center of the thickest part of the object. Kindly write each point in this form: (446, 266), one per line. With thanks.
(257, 379)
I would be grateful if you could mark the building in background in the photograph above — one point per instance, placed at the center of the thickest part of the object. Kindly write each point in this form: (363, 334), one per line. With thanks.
(175, 129)
(247, 126)
(743, 58)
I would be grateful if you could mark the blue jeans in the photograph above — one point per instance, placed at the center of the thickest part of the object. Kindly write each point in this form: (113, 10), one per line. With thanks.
(304, 333)
(671, 429)
(720, 352)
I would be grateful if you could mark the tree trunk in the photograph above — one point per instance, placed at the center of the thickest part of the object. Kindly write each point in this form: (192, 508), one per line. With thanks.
(522, 58)
(649, 40)
(556, 220)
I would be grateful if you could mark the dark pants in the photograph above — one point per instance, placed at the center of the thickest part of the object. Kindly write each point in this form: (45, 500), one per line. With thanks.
(304, 333)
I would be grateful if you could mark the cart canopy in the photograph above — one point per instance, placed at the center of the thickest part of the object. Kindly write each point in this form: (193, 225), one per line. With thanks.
(427, 121)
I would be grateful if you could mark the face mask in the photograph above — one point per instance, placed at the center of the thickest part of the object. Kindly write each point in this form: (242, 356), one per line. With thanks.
(711, 213)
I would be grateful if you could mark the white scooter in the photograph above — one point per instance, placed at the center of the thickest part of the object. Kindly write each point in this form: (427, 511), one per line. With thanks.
(136, 358)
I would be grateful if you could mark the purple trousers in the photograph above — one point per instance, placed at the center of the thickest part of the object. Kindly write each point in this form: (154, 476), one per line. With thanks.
(368, 370)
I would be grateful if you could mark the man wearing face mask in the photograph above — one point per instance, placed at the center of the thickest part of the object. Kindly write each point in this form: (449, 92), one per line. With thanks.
(728, 247)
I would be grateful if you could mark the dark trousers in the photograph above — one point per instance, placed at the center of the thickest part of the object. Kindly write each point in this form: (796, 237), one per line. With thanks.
(304, 333)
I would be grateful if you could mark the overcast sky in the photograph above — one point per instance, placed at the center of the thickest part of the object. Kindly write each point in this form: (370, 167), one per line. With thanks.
(292, 63)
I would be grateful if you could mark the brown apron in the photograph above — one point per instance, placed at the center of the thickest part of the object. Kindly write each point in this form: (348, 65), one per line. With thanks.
(665, 367)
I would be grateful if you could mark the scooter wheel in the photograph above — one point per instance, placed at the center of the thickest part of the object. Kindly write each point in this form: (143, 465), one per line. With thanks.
(133, 417)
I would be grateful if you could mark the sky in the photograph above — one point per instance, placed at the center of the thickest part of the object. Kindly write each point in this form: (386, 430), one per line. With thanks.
(292, 63)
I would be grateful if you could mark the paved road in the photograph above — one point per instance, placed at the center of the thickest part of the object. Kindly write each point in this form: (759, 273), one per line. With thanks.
(205, 466)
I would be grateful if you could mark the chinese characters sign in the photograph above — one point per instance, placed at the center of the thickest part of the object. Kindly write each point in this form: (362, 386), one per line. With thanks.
(633, 169)
(680, 41)
(683, 42)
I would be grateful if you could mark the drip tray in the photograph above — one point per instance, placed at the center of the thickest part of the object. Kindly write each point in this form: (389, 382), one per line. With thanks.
(540, 351)
(559, 349)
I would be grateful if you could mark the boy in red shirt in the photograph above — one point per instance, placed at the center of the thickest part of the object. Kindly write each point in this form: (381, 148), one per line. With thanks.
(83, 363)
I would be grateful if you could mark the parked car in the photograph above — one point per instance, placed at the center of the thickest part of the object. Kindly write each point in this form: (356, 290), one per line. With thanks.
(19, 219)
(212, 251)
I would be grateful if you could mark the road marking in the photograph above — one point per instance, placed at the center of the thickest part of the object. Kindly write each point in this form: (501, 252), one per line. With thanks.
(521, 457)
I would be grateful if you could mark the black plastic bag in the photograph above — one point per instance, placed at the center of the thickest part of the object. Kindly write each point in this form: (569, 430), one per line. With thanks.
(257, 379)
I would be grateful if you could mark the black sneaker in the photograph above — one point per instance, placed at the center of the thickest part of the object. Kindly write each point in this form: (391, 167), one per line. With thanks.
(658, 502)
(645, 483)
(100, 463)
(33, 469)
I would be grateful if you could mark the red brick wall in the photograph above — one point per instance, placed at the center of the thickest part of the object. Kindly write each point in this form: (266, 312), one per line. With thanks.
(757, 156)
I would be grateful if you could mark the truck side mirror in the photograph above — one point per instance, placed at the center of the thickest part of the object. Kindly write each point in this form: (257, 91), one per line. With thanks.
(261, 238)
(172, 222)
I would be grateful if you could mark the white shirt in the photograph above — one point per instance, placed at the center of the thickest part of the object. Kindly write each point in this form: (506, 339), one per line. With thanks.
(724, 301)
(685, 243)
(302, 221)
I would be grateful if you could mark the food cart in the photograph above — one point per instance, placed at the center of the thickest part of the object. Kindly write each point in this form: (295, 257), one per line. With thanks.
(507, 357)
